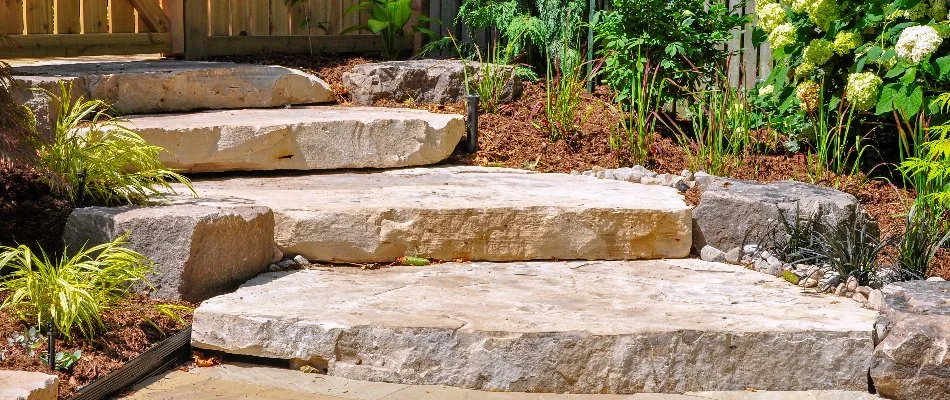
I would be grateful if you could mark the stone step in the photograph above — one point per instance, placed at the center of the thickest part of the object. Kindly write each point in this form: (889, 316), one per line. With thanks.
(158, 86)
(556, 327)
(474, 213)
(301, 138)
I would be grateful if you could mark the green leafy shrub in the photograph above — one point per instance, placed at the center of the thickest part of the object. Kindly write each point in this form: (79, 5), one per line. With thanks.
(388, 19)
(882, 56)
(72, 291)
(120, 167)
(529, 29)
(929, 170)
(684, 37)
(565, 107)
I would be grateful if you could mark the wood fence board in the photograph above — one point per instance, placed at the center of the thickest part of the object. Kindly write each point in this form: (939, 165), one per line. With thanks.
(301, 17)
(240, 18)
(220, 17)
(334, 21)
(52, 45)
(237, 45)
(175, 10)
(67, 17)
(95, 16)
(122, 15)
(260, 18)
(751, 59)
(279, 18)
(734, 45)
(351, 18)
(151, 13)
(11, 16)
(39, 16)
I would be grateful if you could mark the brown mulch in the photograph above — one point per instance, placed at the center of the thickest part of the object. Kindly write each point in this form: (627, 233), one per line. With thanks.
(128, 334)
(31, 212)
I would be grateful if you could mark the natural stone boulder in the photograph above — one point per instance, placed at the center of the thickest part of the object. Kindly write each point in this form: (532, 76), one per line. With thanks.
(45, 109)
(302, 138)
(23, 385)
(422, 81)
(199, 251)
(912, 357)
(171, 85)
(552, 327)
(732, 213)
(475, 213)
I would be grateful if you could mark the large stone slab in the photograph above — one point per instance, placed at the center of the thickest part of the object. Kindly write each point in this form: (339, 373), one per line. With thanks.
(424, 81)
(474, 213)
(23, 385)
(912, 358)
(732, 213)
(156, 86)
(29, 91)
(199, 251)
(557, 327)
(301, 138)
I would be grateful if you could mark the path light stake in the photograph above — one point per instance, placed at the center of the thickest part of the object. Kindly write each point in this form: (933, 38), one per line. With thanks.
(52, 345)
(82, 189)
(471, 103)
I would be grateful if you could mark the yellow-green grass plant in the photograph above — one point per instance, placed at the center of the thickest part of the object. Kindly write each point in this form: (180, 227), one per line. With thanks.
(71, 291)
(118, 164)
(835, 150)
(639, 112)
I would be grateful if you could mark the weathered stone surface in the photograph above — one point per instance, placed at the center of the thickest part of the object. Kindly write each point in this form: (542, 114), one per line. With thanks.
(474, 213)
(302, 138)
(156, 86)
(422, 81)
(912, 357)
(732, 213)
(199, 251)
(43, 109)
(23, 385)
(562, 327)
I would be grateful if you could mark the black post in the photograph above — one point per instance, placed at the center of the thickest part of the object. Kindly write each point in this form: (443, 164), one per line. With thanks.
(81, 196)
(591, 11)
(51, 341)
(471, 103)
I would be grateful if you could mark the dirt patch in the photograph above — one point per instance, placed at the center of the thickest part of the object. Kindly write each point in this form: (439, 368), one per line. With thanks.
(31, 213)
(133, 326)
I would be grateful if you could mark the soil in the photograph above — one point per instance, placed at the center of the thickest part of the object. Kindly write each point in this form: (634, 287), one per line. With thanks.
(508, 138)
(31, 212)
(133, 326)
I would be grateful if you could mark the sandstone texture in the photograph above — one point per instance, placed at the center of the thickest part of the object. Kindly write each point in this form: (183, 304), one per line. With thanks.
(23, 385)
(156, 86)
(45, 110)
(912, 356)
(732, 213)
(302, 138)
(557, 327)
(423, 81)
(475, 213)
(198, 251)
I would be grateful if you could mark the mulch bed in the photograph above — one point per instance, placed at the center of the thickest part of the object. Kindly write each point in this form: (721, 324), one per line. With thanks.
(133, 326)
(31, 212)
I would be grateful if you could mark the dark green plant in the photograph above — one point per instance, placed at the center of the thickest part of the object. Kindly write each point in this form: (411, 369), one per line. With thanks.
(799, 233)
(926, 231)
(18, 135)
(388, 19)
(72, 291)
(120, 167)
(851, 248)
(529, 30)
(686, 38)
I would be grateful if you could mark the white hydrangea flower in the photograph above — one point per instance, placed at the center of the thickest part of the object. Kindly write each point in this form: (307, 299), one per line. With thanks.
(771, 16)
(783, 35)
(766, 91)
(917, 43)
(862, 90)
(800, 6)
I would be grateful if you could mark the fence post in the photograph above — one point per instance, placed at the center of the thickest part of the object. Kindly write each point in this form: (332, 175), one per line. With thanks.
(196, 29)
(174, 9)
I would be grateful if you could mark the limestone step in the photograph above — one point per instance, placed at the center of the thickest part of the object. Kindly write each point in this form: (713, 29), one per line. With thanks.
(158, 86)
(557, 327)
(301, 138)
(474, 213)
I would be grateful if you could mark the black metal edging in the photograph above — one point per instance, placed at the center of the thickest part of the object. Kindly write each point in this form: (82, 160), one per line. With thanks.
(156, 360)
(471, 122)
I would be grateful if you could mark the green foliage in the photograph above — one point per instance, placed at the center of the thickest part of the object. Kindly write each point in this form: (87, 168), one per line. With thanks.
(388, 19)
(565, 106)
(18, 136)
(73, 292)
(65, 360)
(489, 83)
(529, 29)
(851, 248)
(721, 128)
(684, 37)
(834, 149)
(928, 168)
(30, 342)
(799, 233)
(119, 165)
(883, 56)
(926, 231)
(640, 112)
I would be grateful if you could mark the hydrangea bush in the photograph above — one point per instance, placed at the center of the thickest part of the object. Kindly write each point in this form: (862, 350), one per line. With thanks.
(879, 56)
